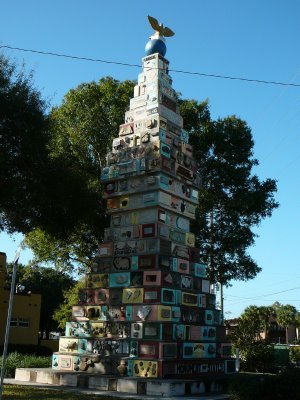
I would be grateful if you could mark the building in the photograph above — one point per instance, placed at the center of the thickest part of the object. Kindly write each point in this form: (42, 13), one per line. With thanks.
(25, 314)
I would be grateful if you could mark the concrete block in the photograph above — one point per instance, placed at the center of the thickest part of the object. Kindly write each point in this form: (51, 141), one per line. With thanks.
(165, 388)
(68, 379)
(44, 376)
(197, 387)
(82, 381)
(56, 379)
(112, 384)
(216, 386)
(22, 374)
(127, 385)
(98, 382)
(33, 375)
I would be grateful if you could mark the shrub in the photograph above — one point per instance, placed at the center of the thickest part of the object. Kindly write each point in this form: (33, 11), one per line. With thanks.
(249, 386)
(17, 360)
(295, 354)
(258, 357)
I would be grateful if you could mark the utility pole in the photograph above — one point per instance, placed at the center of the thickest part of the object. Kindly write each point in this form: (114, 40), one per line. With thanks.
(9, 313)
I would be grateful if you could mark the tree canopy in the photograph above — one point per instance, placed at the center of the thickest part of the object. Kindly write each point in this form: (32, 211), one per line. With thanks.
(83, 128)
(232, 199)
(24, 136)
(286, 315)
(40, 188)
(250, 333)
(63, 313)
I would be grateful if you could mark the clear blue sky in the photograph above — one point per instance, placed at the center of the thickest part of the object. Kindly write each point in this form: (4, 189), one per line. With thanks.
(253, 39)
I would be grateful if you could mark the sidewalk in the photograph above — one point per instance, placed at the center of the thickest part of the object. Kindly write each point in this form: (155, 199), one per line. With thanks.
(8, 381)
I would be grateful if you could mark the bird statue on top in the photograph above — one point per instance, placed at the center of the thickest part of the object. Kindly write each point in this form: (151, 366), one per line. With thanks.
(160, 29)
(156, 43)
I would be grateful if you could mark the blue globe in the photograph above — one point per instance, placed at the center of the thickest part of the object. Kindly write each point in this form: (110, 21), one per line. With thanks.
(155, 46)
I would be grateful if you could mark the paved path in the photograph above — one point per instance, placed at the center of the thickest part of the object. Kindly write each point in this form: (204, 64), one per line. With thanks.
(117, 394)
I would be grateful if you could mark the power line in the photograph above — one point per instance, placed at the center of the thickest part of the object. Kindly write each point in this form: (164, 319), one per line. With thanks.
(261, 296)
(139, 66)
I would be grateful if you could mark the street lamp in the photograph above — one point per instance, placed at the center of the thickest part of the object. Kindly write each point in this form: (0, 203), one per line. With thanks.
(9, 312)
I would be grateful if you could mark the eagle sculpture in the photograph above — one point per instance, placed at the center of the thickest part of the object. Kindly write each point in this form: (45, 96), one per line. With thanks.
(160, 28)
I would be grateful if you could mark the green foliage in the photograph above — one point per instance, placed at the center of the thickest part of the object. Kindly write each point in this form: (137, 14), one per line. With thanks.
(42, 188)
(295, 354)
(232, 199)
(17, 360)
(74, 252)
(196, 115)
(63, 313)
(82, 129)
(255, 353)
(50, 284)
(286, 315)
(245, 386)
(258, 357)
(24, 137)
(260, 317)
(248, 336)
(87, 121)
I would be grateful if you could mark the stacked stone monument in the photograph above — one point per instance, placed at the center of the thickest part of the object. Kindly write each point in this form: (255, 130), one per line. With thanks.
(148, 309)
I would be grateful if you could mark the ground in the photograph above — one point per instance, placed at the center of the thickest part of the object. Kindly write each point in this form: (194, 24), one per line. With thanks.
(16, 392)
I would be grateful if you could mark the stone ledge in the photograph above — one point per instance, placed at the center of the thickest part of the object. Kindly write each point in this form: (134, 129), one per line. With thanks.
(121, 385)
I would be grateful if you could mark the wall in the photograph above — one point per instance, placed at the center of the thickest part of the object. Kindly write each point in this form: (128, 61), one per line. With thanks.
(26, 307)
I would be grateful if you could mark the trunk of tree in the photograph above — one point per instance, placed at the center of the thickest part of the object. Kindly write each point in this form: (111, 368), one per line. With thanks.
(221, 303)
(212, 274)
(211, 261)
(286, 335)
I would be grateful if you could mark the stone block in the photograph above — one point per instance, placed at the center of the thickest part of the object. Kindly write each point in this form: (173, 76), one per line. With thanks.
(216, 386)
(165, 388)
(127, 385)
(44, 376)
(22, 374)
(197, 387)
(82, 381)
(68, 379)
(98, 382)
(112, 384)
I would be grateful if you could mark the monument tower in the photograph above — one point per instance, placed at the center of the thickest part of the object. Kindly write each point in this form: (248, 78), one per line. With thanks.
(148, 310)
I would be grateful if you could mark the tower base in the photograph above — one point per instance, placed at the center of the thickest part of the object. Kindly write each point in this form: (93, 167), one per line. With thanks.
(153, 387)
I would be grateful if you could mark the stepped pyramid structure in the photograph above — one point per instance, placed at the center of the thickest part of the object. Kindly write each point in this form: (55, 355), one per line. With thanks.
(148, 310)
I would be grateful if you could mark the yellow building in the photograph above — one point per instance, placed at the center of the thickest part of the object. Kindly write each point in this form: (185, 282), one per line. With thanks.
(24, 327)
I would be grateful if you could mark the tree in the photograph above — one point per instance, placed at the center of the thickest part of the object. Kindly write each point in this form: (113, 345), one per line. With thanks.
(83, 127)
(75, 252)
(253, 322)
(38, 189)
(87, 121)
(24, 137)
(256, 353)
(232, 199)
(63, 313)
(260, 317)
(286, 316)
(50, 284)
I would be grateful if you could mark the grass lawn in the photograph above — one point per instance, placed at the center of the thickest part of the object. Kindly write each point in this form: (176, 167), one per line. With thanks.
(16, 392)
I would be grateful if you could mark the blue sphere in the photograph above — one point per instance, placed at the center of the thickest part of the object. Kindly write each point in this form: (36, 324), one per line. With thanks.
(155, 46)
